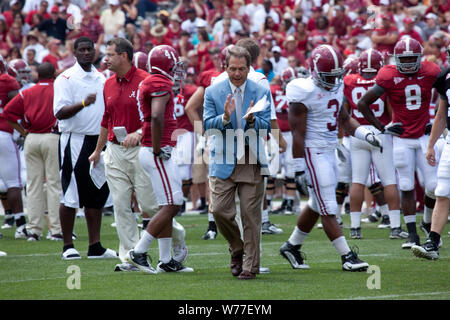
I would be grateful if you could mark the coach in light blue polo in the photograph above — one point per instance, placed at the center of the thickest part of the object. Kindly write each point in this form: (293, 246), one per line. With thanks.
(237, 161)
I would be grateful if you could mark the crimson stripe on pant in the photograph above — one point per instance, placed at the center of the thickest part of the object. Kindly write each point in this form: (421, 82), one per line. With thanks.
(162, 178)
(168, 182)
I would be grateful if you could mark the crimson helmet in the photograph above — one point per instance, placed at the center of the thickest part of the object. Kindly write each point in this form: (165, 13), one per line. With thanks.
(408, 48)
(164, 59)
(288, 75)
(3, 65)
(223, 54)
(20, 70)
(140, 60)
(326, 62)
(351, 65)
(370, 61)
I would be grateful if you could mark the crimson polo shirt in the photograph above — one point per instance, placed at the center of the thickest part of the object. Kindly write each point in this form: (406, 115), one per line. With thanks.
(7, 84)
(34, 106)
(121, 107)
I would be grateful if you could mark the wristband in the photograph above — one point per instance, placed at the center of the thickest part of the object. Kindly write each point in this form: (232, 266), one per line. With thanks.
(82, 102)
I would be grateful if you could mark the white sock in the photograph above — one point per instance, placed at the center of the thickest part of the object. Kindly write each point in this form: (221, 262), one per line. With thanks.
(427, 213)
(18, 215)
(210, 217)
(297, 237)
(287, 197)
(394, 218)
(355, 218)
(341, 245)
(144, 243)
(384, 209)
(409, 219)
(165, 246)
(265, 216)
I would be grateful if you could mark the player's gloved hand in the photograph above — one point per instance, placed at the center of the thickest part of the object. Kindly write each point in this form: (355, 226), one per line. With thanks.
(428, 128)
(165, 153)
(301, 183)
(374, 140)
(395, 129)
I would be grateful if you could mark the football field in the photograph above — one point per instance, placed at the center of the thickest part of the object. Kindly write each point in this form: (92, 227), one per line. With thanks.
(34, 270)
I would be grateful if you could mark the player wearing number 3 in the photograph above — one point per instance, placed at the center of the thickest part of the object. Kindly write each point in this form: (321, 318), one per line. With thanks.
(314, 112)
(407, 85)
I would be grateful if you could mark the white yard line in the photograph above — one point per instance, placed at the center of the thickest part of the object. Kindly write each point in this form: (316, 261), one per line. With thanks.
(400, 295)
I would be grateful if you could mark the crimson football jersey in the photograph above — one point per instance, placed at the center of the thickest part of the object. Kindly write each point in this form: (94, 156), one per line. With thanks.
(409, 96)
(183, 121)
(355, 86)
(7, 84)
(207, 77)
(281, 107)
(157, 85)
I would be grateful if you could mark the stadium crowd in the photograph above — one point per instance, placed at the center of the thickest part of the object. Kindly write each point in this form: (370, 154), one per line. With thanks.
(35, 33)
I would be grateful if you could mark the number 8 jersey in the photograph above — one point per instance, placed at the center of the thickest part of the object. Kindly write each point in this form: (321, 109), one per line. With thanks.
(409, 96)
(323, 108)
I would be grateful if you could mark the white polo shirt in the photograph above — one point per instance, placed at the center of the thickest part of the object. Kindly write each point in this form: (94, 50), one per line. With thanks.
(71, 87)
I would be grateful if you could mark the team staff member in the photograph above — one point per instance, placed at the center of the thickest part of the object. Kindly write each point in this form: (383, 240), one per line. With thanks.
(41, 151)
(124, 173)
(79, 106)
(9, 157)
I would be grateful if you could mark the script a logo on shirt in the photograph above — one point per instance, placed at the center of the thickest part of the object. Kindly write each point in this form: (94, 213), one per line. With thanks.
(397, 80)
(133, 94)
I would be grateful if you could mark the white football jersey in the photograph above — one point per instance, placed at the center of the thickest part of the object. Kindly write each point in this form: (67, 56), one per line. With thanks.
(323, 109)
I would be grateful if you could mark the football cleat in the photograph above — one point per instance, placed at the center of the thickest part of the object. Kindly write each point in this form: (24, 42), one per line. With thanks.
(172, 266)
(21, 232)
(351, 262)
(372, 218)
(9, 221)
(398, 233)
(385, 222)
(281, 209)
(429, 250)
(139, 260)
(293, 255)
(355, 233)
(413, 239)
(209, 235)
(125, 267)
(270, 228)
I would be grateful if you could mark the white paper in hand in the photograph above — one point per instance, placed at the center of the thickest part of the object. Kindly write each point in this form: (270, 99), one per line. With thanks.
(259, 106)
(120, 133)
(98, 173)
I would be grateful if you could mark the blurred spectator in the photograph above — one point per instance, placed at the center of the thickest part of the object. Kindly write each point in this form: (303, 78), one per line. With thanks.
(291, 50)
(287, 25)
(55, 26)
(4, 48)
(267, 69)
(14, 7)
(365, 39)
(43, 8)
(67, 56)
(164, 17)
(71, 9)
(130, 10)
(30, 59)
(400, 13)
(268, 26)
(279, 63)
(193, 61)
(432, 52)
(351, 48)
(14, 53)
(203, 46)
(251, 8)
(225, 37)
(238, 13)
(144, 6)
(436, 7)
(190, 24)
(259, 18)
(112, 20)
(316, 13)
(341, 22)
(14, 37)
(302, 37)
(216, 13)
(385, 38)
(130, 31)
(174, 32)
(408, 30)
(319, 35)
(201, 26)
(431, 26)
(53, 56)
(33, 44)
(227, 16)
(138, 46)
(32, 5)
(24, 27)
(184, 45)
(145, 34)
(184, 5)
(159, 33)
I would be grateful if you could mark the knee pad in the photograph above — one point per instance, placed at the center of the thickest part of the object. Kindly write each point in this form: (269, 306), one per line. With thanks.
(290, 181)
(187, 183)
(430, 193)
(342, 189)
(3, 196)
(376, 188)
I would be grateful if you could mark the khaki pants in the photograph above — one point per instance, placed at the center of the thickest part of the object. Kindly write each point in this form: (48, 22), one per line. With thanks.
(248, 182)
(124, 175)
(41, 157)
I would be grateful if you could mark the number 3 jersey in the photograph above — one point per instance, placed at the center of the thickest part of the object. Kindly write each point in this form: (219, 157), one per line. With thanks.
(409, 96)
(323, 108)
(355, 86)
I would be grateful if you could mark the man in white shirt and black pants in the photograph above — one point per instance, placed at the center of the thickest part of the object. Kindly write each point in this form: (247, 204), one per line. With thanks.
(79, 106)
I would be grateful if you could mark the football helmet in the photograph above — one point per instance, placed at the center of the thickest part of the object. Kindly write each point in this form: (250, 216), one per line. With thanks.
(19, 69)
(370, 61)
(164, 59)
(326, 67)
(140, 60)
(287, 75)
(351, 65)
(3, 65)
(408, 48)
(302, 72)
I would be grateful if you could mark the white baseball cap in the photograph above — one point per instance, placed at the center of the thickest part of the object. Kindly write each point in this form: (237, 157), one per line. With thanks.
(276, 49)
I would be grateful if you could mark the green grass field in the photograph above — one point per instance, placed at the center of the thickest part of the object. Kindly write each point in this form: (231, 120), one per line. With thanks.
(34, 270)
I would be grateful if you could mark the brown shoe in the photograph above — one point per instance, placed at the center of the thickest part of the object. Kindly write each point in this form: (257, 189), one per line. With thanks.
(246, 275)
(236, 265)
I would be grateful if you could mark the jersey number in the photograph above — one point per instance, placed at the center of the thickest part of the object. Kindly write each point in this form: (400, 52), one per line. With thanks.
(178, 109)
(413, 97)
(334, 105)
(377, 106)
(281, 102)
